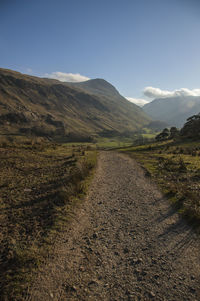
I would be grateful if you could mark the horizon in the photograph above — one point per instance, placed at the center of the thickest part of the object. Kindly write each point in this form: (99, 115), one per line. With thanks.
(133, 45)
(149, 92)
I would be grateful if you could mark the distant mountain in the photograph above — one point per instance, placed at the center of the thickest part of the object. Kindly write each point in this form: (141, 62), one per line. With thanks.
(157, 125)
(173, 110)
(70, 111)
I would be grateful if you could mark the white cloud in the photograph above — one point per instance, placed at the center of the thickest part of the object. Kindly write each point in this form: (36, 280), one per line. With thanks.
(67, 77)
(29, 70)
(152, 92)
(138, 101)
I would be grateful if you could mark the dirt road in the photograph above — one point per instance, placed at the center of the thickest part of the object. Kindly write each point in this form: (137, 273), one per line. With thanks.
(126, 243)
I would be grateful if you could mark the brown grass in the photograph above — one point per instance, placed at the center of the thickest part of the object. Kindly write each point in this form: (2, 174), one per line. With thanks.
(39, 186)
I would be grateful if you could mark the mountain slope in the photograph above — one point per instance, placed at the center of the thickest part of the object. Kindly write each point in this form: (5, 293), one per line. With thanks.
(46, 107)
(173, 110)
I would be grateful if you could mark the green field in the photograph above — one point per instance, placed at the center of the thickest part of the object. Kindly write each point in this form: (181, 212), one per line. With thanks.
(116, 142)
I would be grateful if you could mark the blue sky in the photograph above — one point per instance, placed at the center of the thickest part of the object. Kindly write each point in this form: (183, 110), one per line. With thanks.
(130, 43)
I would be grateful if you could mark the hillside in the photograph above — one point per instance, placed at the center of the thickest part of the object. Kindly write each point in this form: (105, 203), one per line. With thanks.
(173, 110)
(69, 111)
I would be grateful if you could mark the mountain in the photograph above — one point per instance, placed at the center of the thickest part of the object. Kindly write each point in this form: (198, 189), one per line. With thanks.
(69, 111)
(173, 110)
(97, 86)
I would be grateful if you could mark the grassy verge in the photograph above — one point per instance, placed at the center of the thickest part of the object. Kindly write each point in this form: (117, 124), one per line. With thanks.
(40, 185)
(175, 167)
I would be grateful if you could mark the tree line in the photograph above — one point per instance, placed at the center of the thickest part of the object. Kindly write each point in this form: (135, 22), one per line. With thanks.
(190, 130)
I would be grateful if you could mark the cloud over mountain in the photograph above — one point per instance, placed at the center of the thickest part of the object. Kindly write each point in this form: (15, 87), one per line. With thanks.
(67, 77)
(138, 101)
(152, 92)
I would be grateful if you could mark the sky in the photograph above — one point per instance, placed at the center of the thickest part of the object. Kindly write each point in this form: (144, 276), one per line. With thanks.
(136, 45)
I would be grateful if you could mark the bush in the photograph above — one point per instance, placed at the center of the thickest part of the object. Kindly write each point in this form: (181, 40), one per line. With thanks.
(182, 166)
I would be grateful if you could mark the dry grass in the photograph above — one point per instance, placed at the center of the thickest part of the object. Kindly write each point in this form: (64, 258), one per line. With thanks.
(176, 168)
(40, 184)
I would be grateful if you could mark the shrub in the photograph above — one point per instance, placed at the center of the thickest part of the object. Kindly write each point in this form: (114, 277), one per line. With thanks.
(182, 166)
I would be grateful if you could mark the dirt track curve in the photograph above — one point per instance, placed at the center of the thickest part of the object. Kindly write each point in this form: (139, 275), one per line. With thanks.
(126, 243)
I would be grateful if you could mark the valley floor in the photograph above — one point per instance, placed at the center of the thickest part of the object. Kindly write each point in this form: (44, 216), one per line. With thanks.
(126, 243)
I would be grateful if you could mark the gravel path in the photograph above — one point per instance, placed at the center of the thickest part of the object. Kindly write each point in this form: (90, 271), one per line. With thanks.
(126, 243)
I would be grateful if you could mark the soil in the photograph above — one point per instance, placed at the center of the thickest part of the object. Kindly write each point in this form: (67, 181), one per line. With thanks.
(126, 243)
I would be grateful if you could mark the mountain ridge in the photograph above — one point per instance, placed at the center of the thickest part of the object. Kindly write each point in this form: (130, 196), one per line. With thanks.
(30, 105)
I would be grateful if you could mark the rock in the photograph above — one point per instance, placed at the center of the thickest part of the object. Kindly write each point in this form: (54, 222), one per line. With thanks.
(74, 289)
(131, 297)
(127, 292)
(137, 271)
(95, 235)
(27, 190)
(88, 242)
(90, 250)
(192, 290)
(71, 289)
(98, 262)
(151, 294)
(126, 250)
(93, 282)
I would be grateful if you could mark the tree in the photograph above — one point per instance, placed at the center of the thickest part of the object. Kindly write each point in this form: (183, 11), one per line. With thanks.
(164, 135)
(174, 132)
(191, 128)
